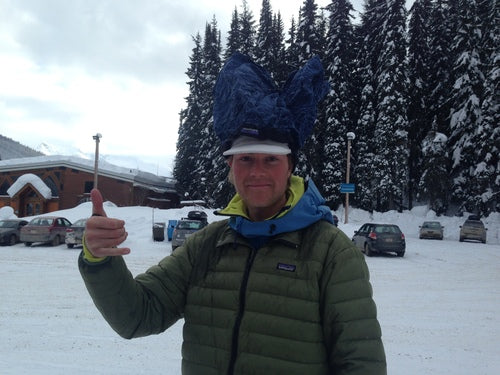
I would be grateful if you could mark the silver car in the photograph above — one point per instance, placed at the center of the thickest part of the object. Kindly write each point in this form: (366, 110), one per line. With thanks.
(473, 230)
(10, 231)
(74, 233)
(432, 230)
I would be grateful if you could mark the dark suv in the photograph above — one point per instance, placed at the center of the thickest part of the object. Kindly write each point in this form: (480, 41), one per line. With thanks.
(195, 221)
(380, 238)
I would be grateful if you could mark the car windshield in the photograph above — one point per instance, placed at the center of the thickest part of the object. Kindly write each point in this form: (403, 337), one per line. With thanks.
(8, 224)
(189, 224)
(387, 229)
(80, 223)
(432, 224)
(474, 224)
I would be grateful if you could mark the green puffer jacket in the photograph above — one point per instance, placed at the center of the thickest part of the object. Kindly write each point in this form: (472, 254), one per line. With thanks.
(287, 308)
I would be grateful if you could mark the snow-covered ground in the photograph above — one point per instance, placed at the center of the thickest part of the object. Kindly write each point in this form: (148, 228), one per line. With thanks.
(439, 306)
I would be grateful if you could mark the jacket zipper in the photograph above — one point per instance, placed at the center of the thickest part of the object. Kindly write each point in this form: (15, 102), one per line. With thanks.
(239, 317)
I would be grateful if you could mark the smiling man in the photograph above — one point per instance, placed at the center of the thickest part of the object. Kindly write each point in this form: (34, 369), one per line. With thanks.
(274, 289)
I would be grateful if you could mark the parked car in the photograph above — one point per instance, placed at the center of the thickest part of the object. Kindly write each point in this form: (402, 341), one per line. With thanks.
(195, 221)
(380, 238)
(74, 233)
(431, 229)
(46, 229)
(10, 230)
(473, 230)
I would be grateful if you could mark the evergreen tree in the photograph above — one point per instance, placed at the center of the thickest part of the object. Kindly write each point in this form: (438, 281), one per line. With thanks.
(434, 184)
(339, 62)
(233, 36)
(264, 44)
(309, 44)
(280, 67)
(466, 110)
(247, 31)
(188, 141)
(369, 33)
(419, 118)
(487, 168)
(292, 49)
(441, 62)
(211, 164)
(391, 129)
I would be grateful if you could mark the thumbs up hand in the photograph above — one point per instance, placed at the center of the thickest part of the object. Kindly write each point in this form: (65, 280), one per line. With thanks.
(103, 235)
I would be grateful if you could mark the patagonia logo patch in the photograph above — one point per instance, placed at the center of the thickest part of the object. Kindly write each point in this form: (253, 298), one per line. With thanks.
(286, 267)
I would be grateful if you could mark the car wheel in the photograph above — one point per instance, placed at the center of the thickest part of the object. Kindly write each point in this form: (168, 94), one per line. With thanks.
(12, 240)
(28, 244)
(70, 245)
(401, 254)
(461, 239)
(55, 241)
(368, 251)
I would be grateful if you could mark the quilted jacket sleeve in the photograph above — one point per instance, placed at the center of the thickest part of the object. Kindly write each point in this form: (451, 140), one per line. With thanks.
(352, 331)
(144, 305)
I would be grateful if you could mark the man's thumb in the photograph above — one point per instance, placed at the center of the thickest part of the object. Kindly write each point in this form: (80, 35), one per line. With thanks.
(96, 197)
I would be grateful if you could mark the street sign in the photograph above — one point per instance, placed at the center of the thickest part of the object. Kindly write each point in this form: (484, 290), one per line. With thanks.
(347, 188)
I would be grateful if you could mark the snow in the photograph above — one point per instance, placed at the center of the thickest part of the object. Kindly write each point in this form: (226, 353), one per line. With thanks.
(439, 306)
(32, 179)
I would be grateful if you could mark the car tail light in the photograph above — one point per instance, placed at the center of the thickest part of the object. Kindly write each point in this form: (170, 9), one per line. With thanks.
(69, 230)
(402, 236)
(372, 235)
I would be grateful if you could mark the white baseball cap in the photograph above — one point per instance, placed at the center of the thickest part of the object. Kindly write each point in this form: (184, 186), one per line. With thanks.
(251, 145)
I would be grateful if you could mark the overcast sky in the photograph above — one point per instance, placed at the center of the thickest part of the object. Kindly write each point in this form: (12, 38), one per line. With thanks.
(72, 68)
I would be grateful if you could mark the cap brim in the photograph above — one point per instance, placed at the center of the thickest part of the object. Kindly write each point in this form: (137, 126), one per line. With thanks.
(249, 145)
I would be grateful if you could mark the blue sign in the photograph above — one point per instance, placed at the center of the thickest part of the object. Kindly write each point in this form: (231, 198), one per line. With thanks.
(347, 188)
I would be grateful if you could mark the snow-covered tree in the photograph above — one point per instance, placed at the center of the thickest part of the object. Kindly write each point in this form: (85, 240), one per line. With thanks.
(419, 71)
(211, 166)
(247, 30)
(310, 42)
(466, 106)
(486, 192)
(391, 127)
(433, 185)
(186, 159)
(339, 65)
(233, 36)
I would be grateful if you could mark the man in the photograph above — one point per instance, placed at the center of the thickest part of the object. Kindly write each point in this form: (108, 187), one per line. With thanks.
(274, 289)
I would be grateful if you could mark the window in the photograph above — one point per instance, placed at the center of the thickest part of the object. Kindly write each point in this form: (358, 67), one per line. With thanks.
(88, 186)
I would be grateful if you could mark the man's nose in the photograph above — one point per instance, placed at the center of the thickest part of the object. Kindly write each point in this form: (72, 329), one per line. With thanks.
(257, 167)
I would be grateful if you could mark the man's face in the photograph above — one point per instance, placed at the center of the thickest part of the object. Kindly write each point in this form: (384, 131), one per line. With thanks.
(261, 180)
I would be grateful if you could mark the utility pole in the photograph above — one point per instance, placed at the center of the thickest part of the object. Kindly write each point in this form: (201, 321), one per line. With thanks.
(350, 137)
(96, 138)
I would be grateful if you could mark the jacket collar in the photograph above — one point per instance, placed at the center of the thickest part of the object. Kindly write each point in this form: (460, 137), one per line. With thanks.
(303, 211)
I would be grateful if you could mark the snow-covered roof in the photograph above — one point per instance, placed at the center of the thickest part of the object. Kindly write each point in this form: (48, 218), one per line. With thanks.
(32, 179)
(137, 177)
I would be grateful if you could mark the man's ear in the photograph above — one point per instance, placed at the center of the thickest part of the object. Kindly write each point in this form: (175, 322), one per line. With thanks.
(229, 161)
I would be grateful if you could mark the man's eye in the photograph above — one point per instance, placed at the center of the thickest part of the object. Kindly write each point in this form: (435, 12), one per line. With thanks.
(271, 159)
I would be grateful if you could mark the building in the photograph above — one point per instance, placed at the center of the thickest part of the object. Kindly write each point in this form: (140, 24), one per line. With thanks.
(41, 184)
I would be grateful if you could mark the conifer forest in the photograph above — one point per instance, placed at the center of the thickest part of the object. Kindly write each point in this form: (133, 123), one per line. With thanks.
(418, 87)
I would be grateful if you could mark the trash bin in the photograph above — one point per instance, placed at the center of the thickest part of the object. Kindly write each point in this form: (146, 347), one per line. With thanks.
(159, 231)
(170, 228)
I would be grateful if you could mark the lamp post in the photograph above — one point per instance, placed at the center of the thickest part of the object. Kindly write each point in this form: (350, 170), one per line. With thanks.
(96, 138)
(350, 137)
